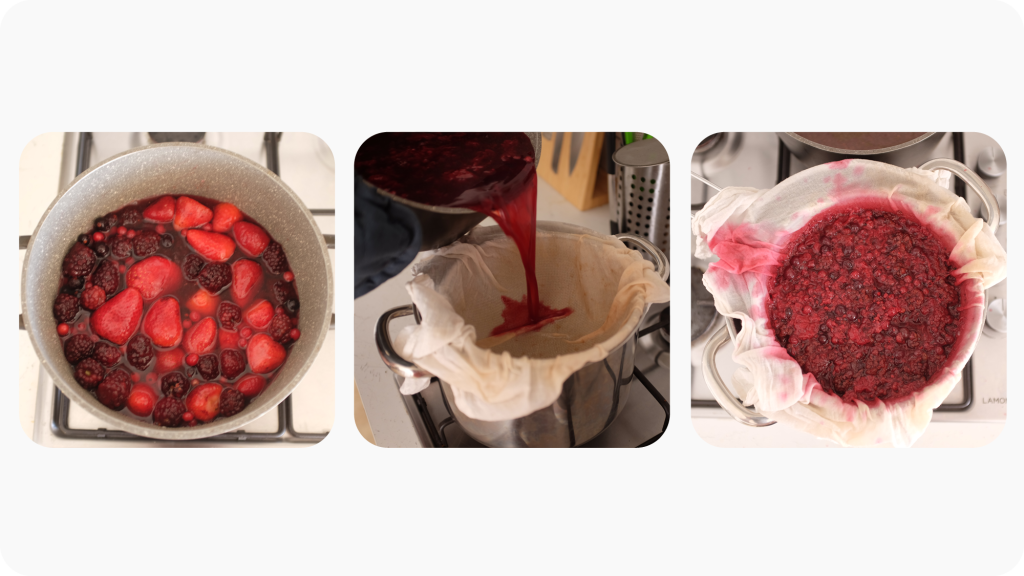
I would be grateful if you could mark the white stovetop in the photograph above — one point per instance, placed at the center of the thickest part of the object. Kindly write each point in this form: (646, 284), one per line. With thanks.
(38, 184)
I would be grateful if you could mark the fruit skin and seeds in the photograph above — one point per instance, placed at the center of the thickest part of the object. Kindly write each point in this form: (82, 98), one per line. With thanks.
(138, 300)
(866, 301)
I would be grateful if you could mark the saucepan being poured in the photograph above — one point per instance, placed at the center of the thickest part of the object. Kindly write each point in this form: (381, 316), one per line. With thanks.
(489, 172)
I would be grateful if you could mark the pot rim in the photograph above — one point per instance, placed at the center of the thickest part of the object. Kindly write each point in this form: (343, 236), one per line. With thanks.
(846, 152)
(76, 393)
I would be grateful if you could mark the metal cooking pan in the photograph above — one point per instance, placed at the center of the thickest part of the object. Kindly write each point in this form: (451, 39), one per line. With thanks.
(912, 151)
(178, 168)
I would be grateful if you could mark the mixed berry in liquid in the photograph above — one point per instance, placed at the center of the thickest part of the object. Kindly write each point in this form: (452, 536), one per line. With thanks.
(490, 172)
(866, 301)
(179, 309)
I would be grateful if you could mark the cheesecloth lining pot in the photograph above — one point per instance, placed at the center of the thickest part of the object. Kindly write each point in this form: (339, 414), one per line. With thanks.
(749, 229)
(458, 294)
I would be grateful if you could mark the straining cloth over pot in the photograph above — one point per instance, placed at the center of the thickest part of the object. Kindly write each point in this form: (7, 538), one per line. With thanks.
(458, 294)
(749, 231)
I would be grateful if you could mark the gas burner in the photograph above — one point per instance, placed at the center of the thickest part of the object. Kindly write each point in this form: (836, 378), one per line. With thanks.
(161, 137)
(702, 305)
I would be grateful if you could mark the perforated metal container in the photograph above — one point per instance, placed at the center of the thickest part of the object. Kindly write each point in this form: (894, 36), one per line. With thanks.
(642, 191)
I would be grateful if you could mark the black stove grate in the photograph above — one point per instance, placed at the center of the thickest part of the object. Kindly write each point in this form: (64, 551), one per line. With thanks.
(285, 428)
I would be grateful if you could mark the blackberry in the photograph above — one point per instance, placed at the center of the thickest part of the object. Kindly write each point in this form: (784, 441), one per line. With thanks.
(215, 277)
(229, 314)
(275, 258)
(168, 412)
(208, 366)
(231, 402)
(192, 266)
(131, 215)
(65, 308)
(232, 363)
(145, 243)
(89, 373)
(79, 261)
(113, 391)
(78, 348)
(107, 354)
(284, 291)
(120, 246)
(107, 276)
(140, 351)
(175, 384)
(280, 327)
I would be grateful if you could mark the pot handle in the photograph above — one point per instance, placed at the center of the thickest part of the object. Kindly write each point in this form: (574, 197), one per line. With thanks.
(661, 265)
(734, 407)
(974, 182)
(382, 335)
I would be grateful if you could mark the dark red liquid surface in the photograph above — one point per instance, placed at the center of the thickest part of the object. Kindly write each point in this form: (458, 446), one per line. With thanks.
(866, 301)
(275, 289)
(489, 172)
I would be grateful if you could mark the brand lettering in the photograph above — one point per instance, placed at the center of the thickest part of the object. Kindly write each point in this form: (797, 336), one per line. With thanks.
(993, 401)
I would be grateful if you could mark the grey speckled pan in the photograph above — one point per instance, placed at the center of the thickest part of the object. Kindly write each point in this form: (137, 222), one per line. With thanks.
(178, 169)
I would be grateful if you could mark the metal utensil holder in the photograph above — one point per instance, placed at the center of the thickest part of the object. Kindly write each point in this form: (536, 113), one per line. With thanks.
(642, 191)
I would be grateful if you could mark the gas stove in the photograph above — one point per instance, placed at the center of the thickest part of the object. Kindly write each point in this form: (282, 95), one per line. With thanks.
(423, 420)
(303, 161)
(760, 160)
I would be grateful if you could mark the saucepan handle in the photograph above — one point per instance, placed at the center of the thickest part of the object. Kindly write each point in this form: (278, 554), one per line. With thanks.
(386, 347)
(974, 182)
(660, 260)
(725, 398)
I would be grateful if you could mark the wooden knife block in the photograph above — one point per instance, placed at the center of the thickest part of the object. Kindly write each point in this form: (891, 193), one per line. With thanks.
(582, 182)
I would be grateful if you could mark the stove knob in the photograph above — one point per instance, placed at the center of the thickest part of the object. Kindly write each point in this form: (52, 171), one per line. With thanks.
(992, 162)
(995, 322)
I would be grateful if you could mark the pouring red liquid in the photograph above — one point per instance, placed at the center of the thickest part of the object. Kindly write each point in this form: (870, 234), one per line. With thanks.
(489, 172)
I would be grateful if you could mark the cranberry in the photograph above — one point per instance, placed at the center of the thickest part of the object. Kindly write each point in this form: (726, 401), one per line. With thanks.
(192, 359)
(63, 329)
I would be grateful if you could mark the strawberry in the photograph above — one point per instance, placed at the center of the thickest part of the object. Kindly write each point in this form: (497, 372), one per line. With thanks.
(201, 337)
(169, 360)
(118, 318)
(204, 401)
(203, 302)
(228, 339)
(251, 238)
(251, 385)
(224, 216)
(141, 400)
(160, 211)
(260, 314)
(211, 245)
(190, 214)
(247, 279)
(163, 322)
(264, 354)
(154, 277)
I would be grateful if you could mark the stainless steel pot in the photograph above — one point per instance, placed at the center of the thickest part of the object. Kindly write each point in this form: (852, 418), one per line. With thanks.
(591, 398)
(906, 154)
(746, 415)
(441, 226)
(178, 169)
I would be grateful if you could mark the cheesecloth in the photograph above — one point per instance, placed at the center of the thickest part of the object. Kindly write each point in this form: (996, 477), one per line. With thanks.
(748, 230)
(458, 291)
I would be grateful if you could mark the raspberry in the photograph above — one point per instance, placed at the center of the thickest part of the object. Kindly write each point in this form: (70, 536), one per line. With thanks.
(79, 261)
(208, 366)
(107, 277)
(231, 402)
(131, 215)
(232, 363)
(215, 277)
(78, 348)
(93, 298)
(229, 315)
(120, 246)
(192, 266)
(113, 391)
(275, 258)
(175, 384)
(145, 243)
(284, 291)
(89, 373)
(65, 308)
(140, 351)
(168, 412)
(281, 327)
(107, 354)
